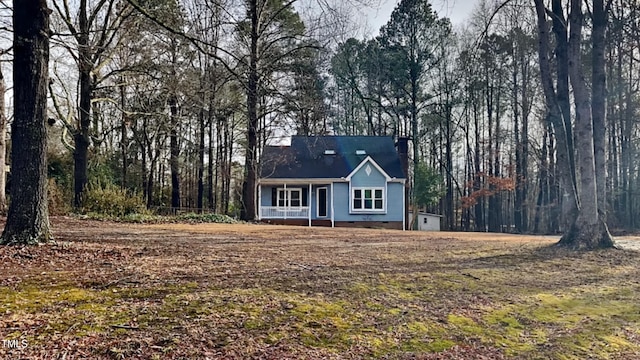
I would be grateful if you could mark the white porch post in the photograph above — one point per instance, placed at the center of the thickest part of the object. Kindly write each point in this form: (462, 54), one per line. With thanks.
(286, 205)
(309, 204)
(332, 212)
(259, 201)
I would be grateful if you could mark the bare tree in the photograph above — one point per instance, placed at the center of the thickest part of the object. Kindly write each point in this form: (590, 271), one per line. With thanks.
(94, 27)
(587, 228)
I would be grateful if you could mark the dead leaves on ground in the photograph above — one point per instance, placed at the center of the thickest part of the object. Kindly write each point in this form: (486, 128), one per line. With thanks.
(172, 291)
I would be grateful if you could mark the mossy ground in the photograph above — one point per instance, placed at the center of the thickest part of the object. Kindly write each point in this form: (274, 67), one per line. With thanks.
(239, 291)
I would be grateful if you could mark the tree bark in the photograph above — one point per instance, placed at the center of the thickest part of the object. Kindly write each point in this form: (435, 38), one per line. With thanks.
(477, 179)
(519, 193)
(556, 116)
(174, 152)
(250, 171)
(28, 218)
(588, 231)
(543, 183)
(3, 147)
(201, 150)
(599, 101)
(124, 139)
(82, 139)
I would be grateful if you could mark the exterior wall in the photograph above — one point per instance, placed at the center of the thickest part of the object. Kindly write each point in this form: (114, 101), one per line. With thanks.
(427, 222)
(395, 193)
(397, 225)
(265, 195)
(375, 177)
(393, 199)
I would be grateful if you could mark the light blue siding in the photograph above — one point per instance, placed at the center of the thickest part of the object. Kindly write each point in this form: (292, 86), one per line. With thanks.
(265, 196)
(341, 201)
(394, 204)
(374, 179)
(395, 208)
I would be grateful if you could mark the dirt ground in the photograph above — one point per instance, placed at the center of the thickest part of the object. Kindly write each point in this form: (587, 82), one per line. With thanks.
(238, 291)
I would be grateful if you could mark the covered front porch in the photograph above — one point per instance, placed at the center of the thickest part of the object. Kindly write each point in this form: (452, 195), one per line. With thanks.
(296, 203)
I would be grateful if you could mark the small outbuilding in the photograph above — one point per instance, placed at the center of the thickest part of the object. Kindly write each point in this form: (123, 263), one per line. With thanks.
(427, 221)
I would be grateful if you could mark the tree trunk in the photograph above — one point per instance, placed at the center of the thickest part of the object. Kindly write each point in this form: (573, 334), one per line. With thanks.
(3, 147)
(124, 140)
(562, 96)
(524, 140)
(228, 161)
(588, 231)
(554, 103)
(543, 184)
(519, 193)
(477, 180)
(174, 152)
(211, 191)
(449, 203)
(250, 171)
(28, 218)
(555, 216)
(82, 139)
(599, 101)
(200, 175)
(221, 151)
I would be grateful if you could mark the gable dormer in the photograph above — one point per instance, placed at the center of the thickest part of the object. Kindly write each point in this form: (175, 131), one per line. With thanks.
(368, 173)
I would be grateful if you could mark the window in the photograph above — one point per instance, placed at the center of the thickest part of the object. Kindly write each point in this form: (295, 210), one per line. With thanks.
(289, 197)
(368, 199)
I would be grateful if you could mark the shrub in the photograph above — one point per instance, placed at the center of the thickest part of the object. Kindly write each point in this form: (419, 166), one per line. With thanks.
(58, 200)
(207, 218)
(109, 199)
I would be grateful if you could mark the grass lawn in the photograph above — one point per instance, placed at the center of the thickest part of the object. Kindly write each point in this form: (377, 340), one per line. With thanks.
(171, 291)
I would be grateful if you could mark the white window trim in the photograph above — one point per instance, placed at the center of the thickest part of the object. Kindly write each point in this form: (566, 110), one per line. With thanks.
(318, 202)
(368, 211)
(287, 199)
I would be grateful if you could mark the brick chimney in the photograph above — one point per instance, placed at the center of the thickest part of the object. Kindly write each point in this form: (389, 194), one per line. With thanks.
(402, 146)
(403, 152)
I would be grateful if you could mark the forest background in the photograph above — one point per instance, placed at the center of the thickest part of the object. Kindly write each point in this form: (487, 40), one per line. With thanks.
(166, 105)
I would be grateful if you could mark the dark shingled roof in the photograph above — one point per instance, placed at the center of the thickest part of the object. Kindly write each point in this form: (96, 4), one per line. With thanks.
(306, 157)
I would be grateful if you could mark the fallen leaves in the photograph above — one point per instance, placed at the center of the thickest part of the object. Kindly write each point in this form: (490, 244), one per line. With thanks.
(237, 291)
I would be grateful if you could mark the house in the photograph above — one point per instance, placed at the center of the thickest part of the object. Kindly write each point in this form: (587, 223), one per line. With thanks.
(355, 181)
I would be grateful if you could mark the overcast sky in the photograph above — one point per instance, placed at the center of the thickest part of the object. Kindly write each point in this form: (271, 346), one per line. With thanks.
(458, 11)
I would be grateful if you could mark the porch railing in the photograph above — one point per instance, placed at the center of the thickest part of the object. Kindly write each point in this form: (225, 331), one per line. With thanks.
(278, 212)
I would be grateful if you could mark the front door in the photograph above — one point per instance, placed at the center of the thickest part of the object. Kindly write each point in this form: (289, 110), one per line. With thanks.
(322, 202)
